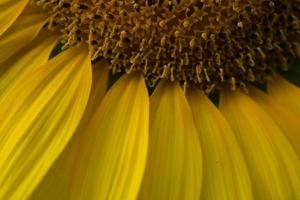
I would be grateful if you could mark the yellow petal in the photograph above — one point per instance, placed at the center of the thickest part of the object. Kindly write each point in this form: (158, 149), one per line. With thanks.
(22, 32)
(25, 61)
(287, 121)
(285, 93)
(225, 174)
(273, 165)
(37, 119)
(9, 11)
(57, 183)
(99, 88)
(111, 159)
(174, 164)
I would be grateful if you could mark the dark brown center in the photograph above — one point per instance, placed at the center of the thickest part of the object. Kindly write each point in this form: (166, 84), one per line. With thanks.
(202, 42)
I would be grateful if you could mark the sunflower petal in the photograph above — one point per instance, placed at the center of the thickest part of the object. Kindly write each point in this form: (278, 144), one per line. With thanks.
(111, 159)
(9, 11)
(287, 121)
(174, 165)
(57, 183)
(37, 119)
(273, 165)
(22, 32)
(285, 93)
(99, 88)
(225, 174)
(25, 61)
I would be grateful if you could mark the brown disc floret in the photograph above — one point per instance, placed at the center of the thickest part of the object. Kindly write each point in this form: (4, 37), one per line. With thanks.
(202, 42)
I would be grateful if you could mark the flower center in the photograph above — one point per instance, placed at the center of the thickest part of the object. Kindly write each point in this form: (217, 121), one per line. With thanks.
(202, 42)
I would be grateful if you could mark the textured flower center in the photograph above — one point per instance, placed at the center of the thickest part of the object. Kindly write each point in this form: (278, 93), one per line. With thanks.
(202, 42)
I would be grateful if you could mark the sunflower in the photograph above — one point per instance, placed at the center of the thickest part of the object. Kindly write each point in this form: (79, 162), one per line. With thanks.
(149, 99)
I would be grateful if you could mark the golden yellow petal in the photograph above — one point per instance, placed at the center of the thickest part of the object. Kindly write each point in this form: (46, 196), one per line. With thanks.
(285, 93)
(174, 164)
(287, 121)
(111, 159)
(57, 183)
(37, 119)
(25, 61)
(22, 32)
(273, 165)
(225, 175)
(99, 89)
(9, 11)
